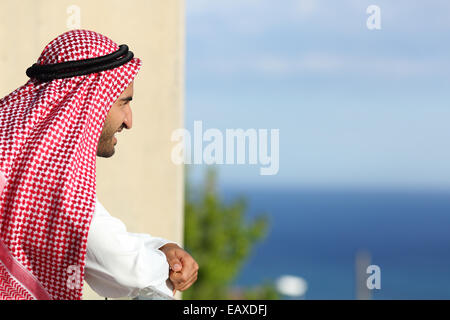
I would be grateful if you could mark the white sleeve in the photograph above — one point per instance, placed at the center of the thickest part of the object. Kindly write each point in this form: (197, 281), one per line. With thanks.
(120, 263)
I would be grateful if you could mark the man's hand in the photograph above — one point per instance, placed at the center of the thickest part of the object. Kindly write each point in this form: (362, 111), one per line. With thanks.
(183, 268)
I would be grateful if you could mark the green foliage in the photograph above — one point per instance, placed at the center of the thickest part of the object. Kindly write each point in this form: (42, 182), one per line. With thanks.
(220, 239)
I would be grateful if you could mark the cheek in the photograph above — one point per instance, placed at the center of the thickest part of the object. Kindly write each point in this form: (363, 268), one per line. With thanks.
(108, 129)
(115, 119)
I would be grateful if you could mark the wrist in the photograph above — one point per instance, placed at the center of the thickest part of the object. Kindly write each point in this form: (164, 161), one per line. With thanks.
(168, 246)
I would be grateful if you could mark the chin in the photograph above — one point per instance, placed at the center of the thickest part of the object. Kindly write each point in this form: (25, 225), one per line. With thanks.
(106, 153)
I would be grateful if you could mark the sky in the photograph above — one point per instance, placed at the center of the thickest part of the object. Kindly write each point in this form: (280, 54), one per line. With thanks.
(355, 108)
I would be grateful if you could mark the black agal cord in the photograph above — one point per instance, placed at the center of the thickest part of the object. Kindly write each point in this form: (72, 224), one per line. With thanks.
(70, 69)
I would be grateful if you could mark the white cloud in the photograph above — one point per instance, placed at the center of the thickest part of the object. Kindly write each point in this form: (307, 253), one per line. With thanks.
(324, 63)
(306, 8)
(258, 15)
(221, 7)
(247, 16)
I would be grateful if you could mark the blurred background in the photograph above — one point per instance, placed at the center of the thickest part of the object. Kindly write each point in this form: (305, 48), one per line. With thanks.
(364, 175)
(362, 113)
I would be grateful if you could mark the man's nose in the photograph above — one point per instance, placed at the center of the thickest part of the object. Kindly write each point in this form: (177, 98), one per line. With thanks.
(128, 121)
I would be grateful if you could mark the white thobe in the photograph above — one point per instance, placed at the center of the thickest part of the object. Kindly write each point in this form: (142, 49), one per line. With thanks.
(120, 263)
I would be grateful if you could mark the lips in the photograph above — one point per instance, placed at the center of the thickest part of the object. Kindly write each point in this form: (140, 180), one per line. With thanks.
(115, 139)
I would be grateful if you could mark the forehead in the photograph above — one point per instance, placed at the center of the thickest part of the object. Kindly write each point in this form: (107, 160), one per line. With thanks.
(128, 91)
(130, 87)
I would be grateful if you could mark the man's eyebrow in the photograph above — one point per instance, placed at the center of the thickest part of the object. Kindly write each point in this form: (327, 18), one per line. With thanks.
(126, 99)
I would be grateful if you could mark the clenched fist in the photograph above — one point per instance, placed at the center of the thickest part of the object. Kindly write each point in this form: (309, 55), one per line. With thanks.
(183, 268)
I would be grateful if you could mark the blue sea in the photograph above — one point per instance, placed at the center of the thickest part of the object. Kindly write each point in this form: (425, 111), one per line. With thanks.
(316, 235)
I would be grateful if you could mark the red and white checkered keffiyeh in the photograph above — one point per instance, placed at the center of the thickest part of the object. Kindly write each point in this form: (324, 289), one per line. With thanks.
(48, 145)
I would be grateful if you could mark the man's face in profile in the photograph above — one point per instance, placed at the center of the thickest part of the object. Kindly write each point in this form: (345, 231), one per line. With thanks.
(119, 117)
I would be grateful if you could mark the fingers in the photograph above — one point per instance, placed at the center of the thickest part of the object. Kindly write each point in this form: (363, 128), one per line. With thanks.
(183, 285)
(189, 282)
(175, 265)
(183, 280)
(188, 266)
(183, 268)
(174, 262)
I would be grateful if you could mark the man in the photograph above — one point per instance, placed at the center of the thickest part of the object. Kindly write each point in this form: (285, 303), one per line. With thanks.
(112, 279)
(51, 130)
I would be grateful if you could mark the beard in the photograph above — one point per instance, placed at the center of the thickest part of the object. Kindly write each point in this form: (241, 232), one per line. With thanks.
(105, 146)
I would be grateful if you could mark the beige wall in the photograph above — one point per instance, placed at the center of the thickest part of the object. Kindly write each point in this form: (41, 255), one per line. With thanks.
(139, 184)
